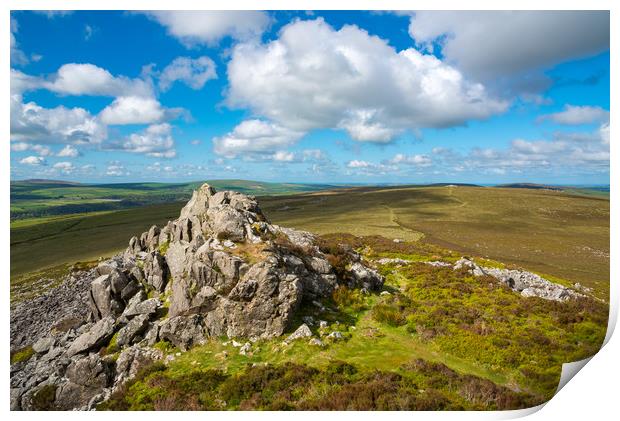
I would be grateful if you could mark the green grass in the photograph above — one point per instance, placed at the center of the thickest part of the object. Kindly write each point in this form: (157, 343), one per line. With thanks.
(22, 355)
(554, 233)
(39, 199)
(469, 342)
(551, 232)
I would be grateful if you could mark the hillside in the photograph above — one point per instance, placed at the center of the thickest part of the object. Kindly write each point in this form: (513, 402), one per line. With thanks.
(44, 198)
(555, 233)
(221, 309)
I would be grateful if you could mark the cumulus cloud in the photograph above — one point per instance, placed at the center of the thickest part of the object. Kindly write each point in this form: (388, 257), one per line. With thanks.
(564, 153)
(116, 170)
(69, 151)
(89, 79)
(42, 150)
(31, 122)
(64, 167)
(208, 27)
(33, 160)
(315, 77)
(358, 164)
(488, 44)
(156, 141)
(255, 137)
(133, 110)
(575, 115)
(17, 56)
(416, 160)
(193, 72)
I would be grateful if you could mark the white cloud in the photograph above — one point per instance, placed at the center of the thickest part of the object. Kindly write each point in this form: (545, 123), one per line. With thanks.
(569, 153)
(68, 151)
(193, 27)
(575, 115)
(65, 167)
(116, 170)
(133, 110)
(284, 156)
(42, 150)
(31, 122)
(51, 14)
(315, 77)
(195, 142)
(492, 44)
(89, 79)
(156, 141)
(254, 136)
(604, 133)
(416, 160)
(17, 56)
(359, 164)
(193, 72)
(33, 160)
(89, 32)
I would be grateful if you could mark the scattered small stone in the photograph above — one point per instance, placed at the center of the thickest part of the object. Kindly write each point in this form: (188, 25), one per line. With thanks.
(316, 342)
(322, 324)
(335, 336)
(245, 349)
(385, 293)
(302, 331)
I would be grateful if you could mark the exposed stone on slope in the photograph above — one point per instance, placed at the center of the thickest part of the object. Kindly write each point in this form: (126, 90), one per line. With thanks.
(220, 269)
(527, 283)
(96, 336)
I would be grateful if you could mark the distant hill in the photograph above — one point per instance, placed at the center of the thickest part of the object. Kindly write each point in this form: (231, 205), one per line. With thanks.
(43, 181)
(37, 198)
(533, 186)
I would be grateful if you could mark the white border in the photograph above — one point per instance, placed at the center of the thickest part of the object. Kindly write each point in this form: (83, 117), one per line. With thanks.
(594, 391)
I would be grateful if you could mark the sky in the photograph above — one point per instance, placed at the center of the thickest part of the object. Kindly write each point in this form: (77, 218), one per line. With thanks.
(315, 97)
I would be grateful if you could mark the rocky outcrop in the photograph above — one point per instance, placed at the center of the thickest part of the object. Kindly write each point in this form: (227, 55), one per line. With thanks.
(528, 284)
(220, 269)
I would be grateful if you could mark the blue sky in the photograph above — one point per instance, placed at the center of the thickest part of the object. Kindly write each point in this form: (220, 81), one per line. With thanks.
(341, 97)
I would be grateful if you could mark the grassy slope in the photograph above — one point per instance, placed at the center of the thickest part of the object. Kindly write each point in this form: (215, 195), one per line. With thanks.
(550, 232)
(35, 199)
(471, 330)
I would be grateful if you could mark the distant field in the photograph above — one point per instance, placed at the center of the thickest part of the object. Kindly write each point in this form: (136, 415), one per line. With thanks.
(547, 231)
(551, 232)
(42, 198)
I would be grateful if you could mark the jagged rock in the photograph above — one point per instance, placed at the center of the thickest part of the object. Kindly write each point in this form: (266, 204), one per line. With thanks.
(527, 283)
(152, 334)
(474, 268)
(136, 326)
(183, 331)
(222, 267)
(99, 334)
(302, 331)
(100, 299)
(118, 281)
(155, 271)
(131, 360)
(143, 307)
(365, 277)
(132, 288)
(199, 203)
(87, 377)
(43, 345)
